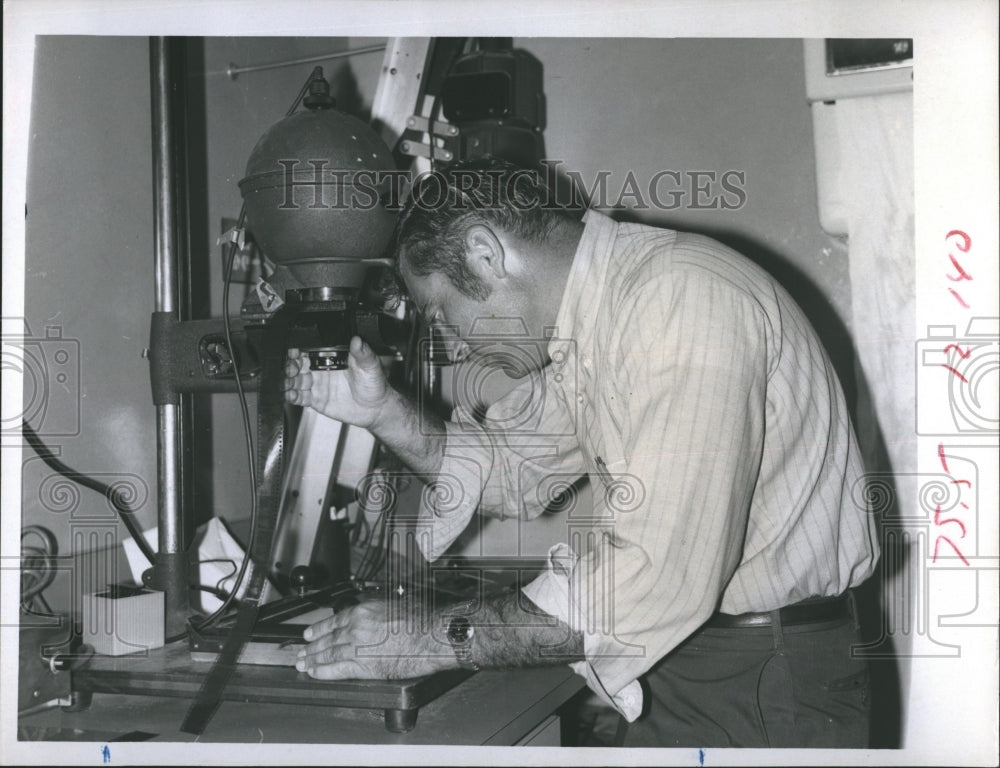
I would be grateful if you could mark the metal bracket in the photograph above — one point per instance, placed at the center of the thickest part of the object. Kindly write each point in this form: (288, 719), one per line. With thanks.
(435, 130)
(236, 235)
(438, 128)
(417, 149)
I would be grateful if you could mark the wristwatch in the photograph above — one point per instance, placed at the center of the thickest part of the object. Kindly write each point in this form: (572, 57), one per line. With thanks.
(460, 633)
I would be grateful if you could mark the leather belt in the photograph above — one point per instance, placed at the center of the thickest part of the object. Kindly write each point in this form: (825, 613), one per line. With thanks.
(812, 611)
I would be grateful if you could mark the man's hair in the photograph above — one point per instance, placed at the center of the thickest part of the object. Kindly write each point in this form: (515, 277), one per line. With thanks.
(443, 205)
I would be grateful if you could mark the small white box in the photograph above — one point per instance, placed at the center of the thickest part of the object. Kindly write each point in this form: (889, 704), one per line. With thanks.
(123, 619)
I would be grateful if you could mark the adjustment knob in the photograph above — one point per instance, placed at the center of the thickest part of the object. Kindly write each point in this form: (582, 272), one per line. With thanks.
(301, 578)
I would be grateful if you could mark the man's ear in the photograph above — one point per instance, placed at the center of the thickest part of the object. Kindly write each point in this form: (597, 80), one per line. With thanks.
(485, 254)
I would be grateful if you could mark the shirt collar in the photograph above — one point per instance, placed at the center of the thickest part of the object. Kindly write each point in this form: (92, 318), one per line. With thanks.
(584, 286)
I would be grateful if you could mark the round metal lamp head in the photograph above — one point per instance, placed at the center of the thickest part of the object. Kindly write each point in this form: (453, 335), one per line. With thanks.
(313, 193)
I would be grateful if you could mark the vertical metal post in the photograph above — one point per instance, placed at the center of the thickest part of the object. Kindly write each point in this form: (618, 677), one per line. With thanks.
(398, 96)
(171, 566)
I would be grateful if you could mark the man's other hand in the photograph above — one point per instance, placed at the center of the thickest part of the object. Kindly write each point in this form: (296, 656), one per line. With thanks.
(372, 641)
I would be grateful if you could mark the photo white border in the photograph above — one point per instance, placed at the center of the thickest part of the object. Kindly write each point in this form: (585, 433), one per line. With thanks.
(956, 140)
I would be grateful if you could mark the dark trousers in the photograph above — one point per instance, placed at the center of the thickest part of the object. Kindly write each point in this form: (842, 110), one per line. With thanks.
(771, 686)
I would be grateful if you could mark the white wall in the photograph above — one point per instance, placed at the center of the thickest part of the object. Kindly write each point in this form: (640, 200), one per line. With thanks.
(89, 273)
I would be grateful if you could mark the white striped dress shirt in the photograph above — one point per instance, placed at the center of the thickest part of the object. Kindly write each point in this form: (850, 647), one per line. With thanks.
(692, 390)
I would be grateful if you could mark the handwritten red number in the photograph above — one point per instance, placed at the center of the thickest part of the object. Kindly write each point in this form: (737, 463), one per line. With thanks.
(964, 245)
(966, 240)
(937, 544)
(944, 461)
(965, 380)
(964, 355)
(939, 522)
(958, 298)
(962, 274)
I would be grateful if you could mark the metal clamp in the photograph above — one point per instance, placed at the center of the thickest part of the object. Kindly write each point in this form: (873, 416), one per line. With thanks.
(436, 130)
(418, 149)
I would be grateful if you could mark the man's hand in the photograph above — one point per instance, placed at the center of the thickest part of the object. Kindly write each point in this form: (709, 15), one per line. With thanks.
(354, 396)
(361, 396)
(365, 642)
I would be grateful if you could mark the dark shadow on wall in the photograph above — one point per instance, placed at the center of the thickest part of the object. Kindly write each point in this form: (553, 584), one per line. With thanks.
(871, 597)
(344, 88)
(877, 600)
(199, 285)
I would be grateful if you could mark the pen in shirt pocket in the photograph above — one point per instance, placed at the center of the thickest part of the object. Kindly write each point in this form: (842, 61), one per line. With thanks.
(603, 473)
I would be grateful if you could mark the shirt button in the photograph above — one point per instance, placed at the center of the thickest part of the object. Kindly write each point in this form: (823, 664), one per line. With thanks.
(579, 399)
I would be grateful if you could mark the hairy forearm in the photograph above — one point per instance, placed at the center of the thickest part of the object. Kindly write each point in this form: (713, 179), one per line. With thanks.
(511, 631)
(416, 438)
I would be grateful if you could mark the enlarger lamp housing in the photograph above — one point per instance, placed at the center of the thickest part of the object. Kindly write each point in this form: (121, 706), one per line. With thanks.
(315, 192)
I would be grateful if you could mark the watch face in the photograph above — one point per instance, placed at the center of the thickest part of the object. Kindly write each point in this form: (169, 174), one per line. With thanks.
(459, 630)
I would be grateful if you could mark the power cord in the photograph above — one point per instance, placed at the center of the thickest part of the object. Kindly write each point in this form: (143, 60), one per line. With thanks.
(125, 513)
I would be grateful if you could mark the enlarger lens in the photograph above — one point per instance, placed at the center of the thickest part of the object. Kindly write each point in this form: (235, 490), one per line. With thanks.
(328, 359)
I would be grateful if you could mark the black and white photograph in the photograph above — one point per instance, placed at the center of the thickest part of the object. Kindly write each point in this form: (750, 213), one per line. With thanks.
(429, 383)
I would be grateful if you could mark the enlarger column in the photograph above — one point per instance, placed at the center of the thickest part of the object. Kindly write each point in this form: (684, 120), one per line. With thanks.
(170, 572)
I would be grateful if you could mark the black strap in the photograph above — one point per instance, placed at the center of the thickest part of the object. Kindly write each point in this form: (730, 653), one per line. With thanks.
(270, 445)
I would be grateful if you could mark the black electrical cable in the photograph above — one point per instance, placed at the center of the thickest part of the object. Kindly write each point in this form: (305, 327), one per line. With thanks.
(375, 544)
(37, 568)
(247, 432)
(360, 573)
(48, 539)
(214, 591)
(124, 512)
(46, 608)
(379, 547)
(37, 574)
